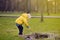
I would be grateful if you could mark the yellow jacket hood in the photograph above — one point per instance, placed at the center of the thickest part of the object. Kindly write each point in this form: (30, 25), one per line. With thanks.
(25, 15)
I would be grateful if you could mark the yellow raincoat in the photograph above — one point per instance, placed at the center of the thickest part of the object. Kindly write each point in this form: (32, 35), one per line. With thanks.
(23, 19)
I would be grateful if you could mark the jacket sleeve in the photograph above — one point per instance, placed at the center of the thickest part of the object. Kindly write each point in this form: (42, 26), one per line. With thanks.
(26, 22)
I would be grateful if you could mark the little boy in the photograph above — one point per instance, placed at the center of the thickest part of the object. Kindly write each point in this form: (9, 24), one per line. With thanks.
(23, 19)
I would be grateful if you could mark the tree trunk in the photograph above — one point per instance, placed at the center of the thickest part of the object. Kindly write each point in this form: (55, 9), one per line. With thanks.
(6, 5)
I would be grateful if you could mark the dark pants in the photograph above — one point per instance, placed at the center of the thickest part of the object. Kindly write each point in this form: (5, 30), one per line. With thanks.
(20, 28)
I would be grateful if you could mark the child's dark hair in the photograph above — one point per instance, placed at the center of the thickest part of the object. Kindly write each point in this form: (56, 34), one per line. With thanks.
(28, 12)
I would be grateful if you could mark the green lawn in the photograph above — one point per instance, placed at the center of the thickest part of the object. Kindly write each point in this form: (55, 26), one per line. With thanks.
(8, 30)
(32, 13)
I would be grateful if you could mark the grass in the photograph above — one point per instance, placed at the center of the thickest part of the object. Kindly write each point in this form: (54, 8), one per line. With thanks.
(8, 30)
(32, 13)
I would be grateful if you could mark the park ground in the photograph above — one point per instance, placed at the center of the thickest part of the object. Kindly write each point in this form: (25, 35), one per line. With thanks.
(9, 31)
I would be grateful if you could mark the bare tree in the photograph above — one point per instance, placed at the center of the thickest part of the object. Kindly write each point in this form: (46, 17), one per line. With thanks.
(6, 5)
(47, 8)
(55, 6)
(28, 5)
(42, 9)
(12, 4)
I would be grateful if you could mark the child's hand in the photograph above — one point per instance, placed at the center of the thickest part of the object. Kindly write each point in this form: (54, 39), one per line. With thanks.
(28, 26)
